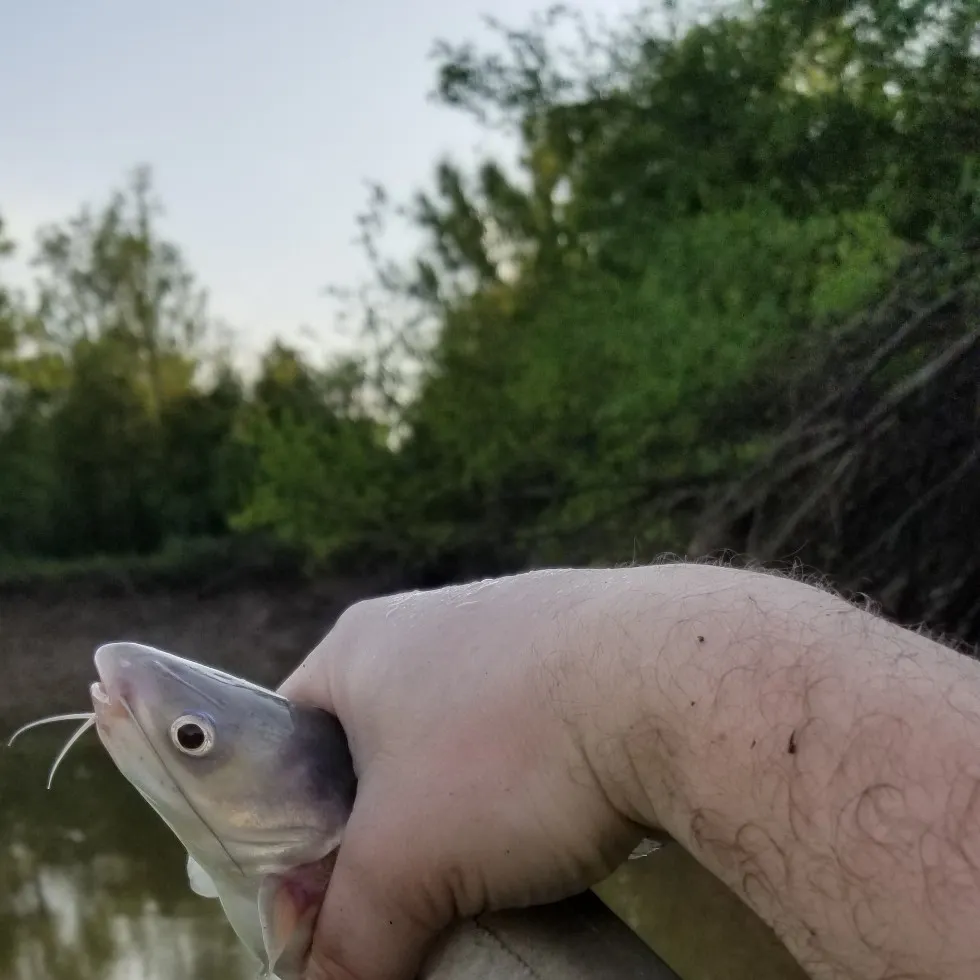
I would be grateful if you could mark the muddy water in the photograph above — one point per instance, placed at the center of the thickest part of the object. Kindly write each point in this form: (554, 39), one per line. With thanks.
(92, 884)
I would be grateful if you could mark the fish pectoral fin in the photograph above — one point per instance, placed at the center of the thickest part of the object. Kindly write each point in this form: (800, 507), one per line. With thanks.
(288, 906)
(199, 880)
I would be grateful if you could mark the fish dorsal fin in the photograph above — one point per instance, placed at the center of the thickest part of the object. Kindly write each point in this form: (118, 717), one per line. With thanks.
(200, 881)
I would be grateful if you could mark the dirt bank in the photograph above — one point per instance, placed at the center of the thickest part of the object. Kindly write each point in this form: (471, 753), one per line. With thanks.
(48, 636)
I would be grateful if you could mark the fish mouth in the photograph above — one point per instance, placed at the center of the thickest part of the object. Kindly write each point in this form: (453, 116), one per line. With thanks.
(107, 710)
(111, 694)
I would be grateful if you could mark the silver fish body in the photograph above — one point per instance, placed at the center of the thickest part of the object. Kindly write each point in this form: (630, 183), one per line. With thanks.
(258, 789)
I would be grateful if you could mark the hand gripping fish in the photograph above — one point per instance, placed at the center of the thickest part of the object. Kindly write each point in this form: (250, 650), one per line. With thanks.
(257, 788)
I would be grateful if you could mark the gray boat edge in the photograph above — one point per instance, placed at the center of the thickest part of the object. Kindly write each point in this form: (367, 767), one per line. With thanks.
(576, 939)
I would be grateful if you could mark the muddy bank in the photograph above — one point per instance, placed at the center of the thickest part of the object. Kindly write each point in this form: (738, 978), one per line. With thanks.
(48, 635)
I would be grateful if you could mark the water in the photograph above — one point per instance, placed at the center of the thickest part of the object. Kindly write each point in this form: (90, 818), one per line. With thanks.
(93, 887)
(92, 883)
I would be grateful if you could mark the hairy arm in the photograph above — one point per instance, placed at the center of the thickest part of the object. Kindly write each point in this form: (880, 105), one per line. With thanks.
(822, 762)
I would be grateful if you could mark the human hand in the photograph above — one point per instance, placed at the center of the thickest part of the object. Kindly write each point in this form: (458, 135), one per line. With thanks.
(511, 737)
(474, 716)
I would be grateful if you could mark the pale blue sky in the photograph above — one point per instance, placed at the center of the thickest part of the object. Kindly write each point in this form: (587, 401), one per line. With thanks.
(261, 121)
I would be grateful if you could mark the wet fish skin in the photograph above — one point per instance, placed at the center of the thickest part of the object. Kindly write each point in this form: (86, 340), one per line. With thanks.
(261, 809)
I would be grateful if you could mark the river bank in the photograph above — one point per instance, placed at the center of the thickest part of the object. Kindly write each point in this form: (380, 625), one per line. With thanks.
(48, 632)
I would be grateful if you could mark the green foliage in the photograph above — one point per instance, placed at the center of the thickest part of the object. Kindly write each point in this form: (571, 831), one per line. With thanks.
(589, 342)
(203, 564)
(321, 463)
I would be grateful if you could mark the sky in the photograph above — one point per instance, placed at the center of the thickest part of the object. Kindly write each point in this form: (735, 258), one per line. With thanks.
(261, 122)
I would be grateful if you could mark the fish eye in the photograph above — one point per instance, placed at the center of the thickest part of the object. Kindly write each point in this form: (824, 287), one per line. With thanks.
(193, 734)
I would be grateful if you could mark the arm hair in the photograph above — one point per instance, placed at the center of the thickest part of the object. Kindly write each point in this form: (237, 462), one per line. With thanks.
(823, 762)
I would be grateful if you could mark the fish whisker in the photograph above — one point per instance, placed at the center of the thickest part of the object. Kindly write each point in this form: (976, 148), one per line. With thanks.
(79, 732)
(86, 717)
(73, 716)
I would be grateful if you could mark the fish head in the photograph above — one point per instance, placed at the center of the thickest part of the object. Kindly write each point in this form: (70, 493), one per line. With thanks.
(251, 783)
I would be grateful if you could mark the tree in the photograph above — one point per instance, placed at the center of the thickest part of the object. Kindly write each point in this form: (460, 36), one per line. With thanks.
(115, 439)
(109, 276)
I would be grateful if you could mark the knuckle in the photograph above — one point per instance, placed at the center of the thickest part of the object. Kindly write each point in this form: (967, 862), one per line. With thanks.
(356, 616)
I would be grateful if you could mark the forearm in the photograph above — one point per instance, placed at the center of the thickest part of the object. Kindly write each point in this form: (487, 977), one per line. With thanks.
(822, 762)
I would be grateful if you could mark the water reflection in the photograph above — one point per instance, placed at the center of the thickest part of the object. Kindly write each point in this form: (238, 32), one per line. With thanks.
(92, 884)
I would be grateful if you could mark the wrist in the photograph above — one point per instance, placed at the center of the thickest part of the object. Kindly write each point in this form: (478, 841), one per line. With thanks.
(624, 719)
(657, 645)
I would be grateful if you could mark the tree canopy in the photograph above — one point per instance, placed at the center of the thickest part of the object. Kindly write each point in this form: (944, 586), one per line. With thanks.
(726, 297)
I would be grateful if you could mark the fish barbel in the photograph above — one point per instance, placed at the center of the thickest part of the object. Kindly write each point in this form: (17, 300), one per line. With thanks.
(258, 789)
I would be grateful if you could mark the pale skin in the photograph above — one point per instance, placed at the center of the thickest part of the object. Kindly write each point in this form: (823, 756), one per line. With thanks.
(516, 738)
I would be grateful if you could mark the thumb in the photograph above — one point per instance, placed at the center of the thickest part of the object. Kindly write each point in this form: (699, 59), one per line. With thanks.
(310, 682)
(383, 907)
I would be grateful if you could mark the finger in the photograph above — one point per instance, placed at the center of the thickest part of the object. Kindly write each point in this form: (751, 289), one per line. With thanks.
(380, 914)
(310, 682)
